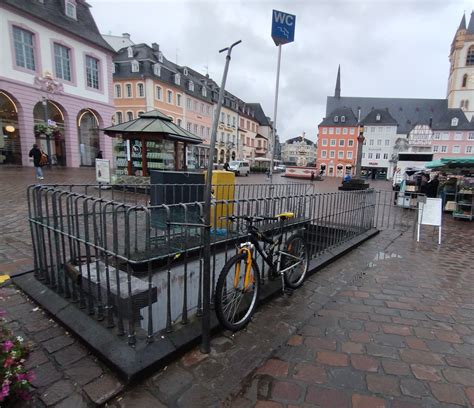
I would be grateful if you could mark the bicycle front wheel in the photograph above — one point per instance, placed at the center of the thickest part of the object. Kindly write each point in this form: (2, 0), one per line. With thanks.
(295, 260)
(236, 299)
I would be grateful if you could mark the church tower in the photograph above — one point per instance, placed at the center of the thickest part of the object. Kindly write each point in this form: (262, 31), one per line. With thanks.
(461, 73)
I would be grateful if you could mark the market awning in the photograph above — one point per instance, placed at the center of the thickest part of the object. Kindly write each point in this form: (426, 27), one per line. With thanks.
(452, 163)
(262, 159)
(153, 123)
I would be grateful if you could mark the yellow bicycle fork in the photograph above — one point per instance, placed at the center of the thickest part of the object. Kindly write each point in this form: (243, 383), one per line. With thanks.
(248, 279)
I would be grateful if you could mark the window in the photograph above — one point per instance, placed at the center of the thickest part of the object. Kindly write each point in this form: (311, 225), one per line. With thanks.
(118, 117)
(179, 122)
(177, 79)
(188, 126)
(379, 142)
(370, 155)
(344, 131)
(380, 129)
(189, 103)
(62, 62)
(129, 115)
(469, 149)
(140, 113)
(385, 156)
(352, 131)
(191, 86)
(333, 142)
(185, 71)
(456, 149)
(71, 9)
(336, 118)
(202, 130)
(349, 155)
(332, 154)
(196, 129)
(343, 118)
(158, 93)
(464, 80)
(135, 66)
(195, 106)
(378, 117)
(208, 110)
(338, 131)
(350, 143)
(454, 121)
(204, 91)
(436, 136)
(170, 97)
(324, 154)
(24, 48)
(340, 154)
(387, 142)
(222, 117)
(140, 90)
(471, 136)
(178, 99)
(470, 56)
(371, 142)
(444, 149)
(160, 56)
(325, 131)
(458, 136)
(128, 90)
(341, 143)
(130, 52)
(377, 155)
(324, 142)
(253, 127)
(445, 136)
(331, 131)
(208, 132)
(92, 72)
(157, 69)
(118, 90)
(228, 120)
(363, 155)
(435, 149)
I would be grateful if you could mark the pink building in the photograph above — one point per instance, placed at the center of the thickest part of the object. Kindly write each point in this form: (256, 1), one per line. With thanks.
(55, 83)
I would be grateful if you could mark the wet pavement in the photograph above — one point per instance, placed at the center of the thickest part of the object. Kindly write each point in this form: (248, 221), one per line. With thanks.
(391, 324)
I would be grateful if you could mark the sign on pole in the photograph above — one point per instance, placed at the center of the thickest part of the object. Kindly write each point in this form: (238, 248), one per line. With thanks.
(283, 27)
(102, 170)
(430, 213)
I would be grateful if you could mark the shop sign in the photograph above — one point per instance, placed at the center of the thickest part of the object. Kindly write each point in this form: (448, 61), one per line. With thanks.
(102, 170)
(373, 164)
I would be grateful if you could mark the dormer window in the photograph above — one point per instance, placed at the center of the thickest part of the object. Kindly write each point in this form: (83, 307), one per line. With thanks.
(336, 118)
(177, 79)
(377, 118)
(160, 56)
(135, 66)
(71, 9)
(157, 69)
(185, 71)
(343, 118)
(454, 121)
(204, 91)
(130, 52)
(191, 86)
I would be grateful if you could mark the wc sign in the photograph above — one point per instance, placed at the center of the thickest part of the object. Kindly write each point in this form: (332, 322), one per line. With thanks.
(283, 27)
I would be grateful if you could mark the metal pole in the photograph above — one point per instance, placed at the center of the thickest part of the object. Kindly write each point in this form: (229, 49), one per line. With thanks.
(275, 108)
(206, 281)
(360, 144)
(46, 117)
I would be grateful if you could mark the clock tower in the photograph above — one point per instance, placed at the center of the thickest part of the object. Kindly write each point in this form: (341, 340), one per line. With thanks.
(461, 72)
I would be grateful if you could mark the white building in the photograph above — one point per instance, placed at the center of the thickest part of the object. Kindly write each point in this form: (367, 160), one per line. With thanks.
(298, 151)
(55, 82)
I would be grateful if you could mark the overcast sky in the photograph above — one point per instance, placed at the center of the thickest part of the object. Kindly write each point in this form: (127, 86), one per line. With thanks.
(386, 48)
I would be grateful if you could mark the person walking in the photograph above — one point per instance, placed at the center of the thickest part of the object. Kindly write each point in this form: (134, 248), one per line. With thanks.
(37, 154)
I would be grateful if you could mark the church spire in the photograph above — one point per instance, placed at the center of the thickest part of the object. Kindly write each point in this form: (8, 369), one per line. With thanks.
(462, 25)
(337, 91)
(470, 27)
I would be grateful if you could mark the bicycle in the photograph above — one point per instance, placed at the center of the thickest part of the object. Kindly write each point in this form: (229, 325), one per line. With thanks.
(237, 293)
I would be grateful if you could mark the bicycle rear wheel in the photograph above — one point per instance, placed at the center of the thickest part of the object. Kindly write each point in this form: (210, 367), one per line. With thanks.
(235, 302)
(296, 262)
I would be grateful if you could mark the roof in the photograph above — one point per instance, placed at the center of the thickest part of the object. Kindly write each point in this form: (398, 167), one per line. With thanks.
(406, 111)
(444, 122)
(451, 163)
(470, 27)
(153, 123)
(298, 139)
(52, 12)
(259, 114)
(337, 89)
(379, 117)
(335, 116)
(118, 41)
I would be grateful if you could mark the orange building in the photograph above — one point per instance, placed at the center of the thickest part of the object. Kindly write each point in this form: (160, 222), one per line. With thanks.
(337, 143)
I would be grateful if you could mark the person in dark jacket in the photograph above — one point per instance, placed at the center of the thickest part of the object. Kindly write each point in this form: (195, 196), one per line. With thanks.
(432, 187)
(35, 152)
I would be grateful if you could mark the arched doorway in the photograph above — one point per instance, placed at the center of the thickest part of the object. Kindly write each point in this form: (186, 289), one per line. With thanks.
(88, 131)
(48, 118)
(340, 171)
(222, 157)
(233, 155)
(322, 169)
(10, 145)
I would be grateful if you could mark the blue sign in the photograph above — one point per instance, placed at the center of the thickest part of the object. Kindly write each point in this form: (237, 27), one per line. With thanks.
(283, 27)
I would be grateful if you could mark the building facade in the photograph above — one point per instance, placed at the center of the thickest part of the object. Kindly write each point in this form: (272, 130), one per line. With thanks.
(298, 151)
(337, 143)
(55, 83)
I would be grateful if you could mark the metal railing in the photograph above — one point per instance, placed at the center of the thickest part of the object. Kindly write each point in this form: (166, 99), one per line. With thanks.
(132, 258)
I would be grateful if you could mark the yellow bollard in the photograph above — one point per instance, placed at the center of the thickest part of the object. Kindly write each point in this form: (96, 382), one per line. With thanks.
(223, 183)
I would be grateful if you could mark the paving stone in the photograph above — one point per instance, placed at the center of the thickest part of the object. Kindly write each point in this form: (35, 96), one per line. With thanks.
(58, 343)
(139, 397)
(49, 333)
(327, 398)
(347, 378)
(285, 390)
(405, 404)
(359, 336)
(382, 351)
(470, 395)
(422, 357)
(84, 371)
(309, 373)
(197, 395)
(413, 388)
(383, 384)
(102, 389)
(449, 393)
(56, 392)
(399, 330)
(35, 359)
(457, 361)
(275, 368)
(352, 348)
(427, 373)
(45, 375)
(268, 404)
(364, 363)
(364, 401)
(332, 358)
(390, 340)
(193, 357)
(415, 343)
(73, 401)
(460, 376)
(295, 340)
(70, 354)
(320, 343)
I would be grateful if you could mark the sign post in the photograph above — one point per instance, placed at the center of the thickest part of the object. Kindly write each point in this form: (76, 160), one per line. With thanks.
(283, 32)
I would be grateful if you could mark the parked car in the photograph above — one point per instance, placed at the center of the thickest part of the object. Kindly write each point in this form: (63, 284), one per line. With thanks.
(240, 168)
(279, 169)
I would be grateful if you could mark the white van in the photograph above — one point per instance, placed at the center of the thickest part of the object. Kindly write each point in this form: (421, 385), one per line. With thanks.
(240, 168)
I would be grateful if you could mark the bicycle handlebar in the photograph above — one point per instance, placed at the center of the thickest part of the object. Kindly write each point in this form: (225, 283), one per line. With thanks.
(249, 218)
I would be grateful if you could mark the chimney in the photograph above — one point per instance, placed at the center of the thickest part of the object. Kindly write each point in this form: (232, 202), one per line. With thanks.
(155, 47)
(126, 35)
(431, 122)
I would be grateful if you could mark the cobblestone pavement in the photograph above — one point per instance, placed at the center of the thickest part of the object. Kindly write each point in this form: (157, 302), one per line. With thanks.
(388, 325)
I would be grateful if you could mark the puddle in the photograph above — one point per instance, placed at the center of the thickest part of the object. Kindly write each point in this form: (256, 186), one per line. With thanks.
(383, 256)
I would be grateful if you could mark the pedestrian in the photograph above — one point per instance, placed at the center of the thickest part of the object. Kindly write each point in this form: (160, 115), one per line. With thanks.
(39, 160)
(424, 184)
(312, 176)
(99, 155)
(432, 187)
(226, 166)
